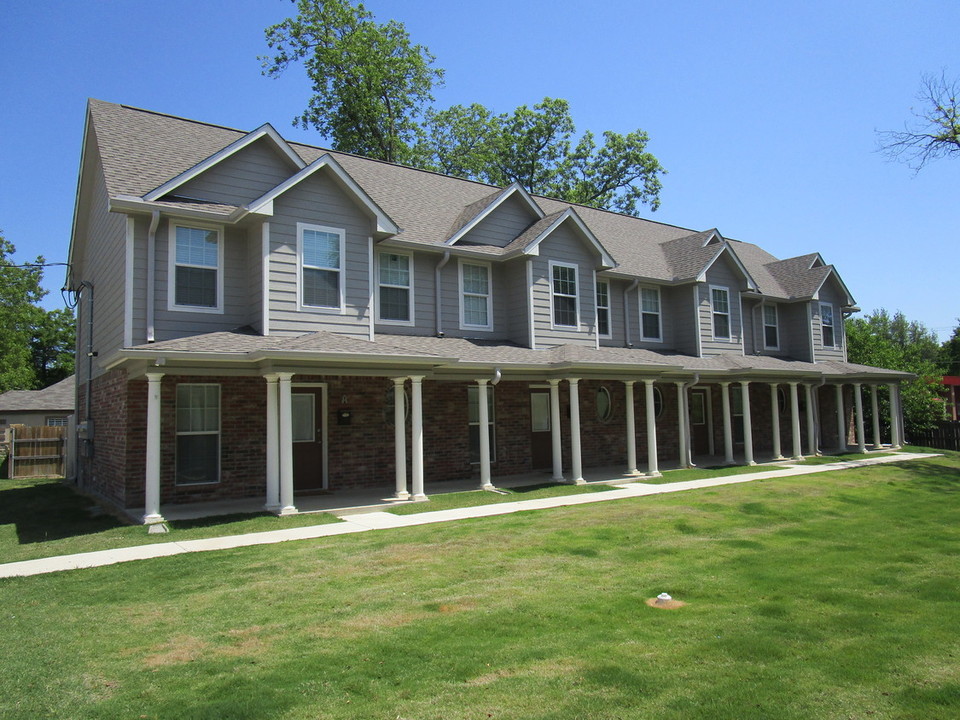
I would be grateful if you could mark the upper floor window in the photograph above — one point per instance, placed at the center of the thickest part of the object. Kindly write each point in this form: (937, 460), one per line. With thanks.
(771, 333)
(476, 309)
(720, 308)
(196, 269)
(563, 289)
(320, 253)
(650, 325)
(395, 289)
(603, 308)
(826, 323)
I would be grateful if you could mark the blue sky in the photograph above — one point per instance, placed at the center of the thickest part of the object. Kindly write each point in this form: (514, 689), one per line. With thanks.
(763, 113)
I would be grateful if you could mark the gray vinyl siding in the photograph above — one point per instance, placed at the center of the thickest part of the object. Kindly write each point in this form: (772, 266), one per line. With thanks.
(240, 178)
(103, 265)
(795, 330)
(502, 279)
(254, 267)
(721, 274)
(503, 225)
(563, 246)
(514, 302)
(617, 332)
(679, 319)
(829, 293)
(171, 324)
(424, 296)
(318, 201)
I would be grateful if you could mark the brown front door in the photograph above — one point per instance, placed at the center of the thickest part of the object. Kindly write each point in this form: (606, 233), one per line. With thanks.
(541, 446)
(307, 410)
(699, 428)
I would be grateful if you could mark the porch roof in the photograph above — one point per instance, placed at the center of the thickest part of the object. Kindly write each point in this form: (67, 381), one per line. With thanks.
(319, 352)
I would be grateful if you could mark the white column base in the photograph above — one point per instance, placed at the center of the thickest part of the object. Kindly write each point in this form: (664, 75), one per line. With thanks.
(288, 510)
(420, 498)
(153, 519)
(402, 495)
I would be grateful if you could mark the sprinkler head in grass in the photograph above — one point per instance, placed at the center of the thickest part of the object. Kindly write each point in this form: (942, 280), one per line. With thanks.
(664, 601)
(663, 598)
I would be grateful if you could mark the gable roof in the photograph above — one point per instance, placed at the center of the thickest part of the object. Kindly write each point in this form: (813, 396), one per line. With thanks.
(142, 151)
(57, 397)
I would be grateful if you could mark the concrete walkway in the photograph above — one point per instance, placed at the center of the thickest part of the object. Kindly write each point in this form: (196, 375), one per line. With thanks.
(356, 522)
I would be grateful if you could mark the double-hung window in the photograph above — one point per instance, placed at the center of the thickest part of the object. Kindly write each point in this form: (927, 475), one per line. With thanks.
(198, 434)
(196, 269)
(603, 309)
(395, 289)
(473, 402)
(563, 288)
(720, 306)
(320, 252)
(771, 332)
(476, 311)
(826, 323)
(650, 325)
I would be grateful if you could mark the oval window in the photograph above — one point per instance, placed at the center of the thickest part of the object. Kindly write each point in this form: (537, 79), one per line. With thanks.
(657, 402)
(604, 404)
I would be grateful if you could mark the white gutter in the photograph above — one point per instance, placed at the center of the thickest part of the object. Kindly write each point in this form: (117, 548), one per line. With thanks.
(151, 270)
(437, 291)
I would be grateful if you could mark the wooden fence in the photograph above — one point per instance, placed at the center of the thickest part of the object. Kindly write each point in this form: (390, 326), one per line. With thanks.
(944, 437)
(36, 451)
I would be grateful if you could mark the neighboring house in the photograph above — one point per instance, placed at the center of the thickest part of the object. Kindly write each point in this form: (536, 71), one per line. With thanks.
(51, 406)
(951, 386)
(272, 319)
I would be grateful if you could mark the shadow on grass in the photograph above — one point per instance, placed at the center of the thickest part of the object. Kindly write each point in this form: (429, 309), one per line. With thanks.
(933, 475)
(215, 520)
(44, 510)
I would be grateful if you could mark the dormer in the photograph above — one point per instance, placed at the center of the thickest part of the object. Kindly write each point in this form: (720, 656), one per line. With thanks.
(496, 219)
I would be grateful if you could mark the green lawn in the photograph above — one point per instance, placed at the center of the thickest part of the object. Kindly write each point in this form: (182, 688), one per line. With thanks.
(472, 498)
(42, 518)
(834, 595)
(702, 473)
(841, 457)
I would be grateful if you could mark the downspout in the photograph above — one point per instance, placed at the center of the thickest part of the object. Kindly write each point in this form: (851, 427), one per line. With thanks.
(626, 310)
(686, 417)
(151, 270)
(816, 410)
(755, 325)
(90, 354)
(439, 308)
(497, 376)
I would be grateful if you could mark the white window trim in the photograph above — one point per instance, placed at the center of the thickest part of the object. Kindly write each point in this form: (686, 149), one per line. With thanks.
(172, 269)
(659, 314)
(341, 308)
(553, 320)
(714, 312)
(409, 288)
(609, 335)
(464, 325)
(832, 325)
(218, 433)
(763, 317)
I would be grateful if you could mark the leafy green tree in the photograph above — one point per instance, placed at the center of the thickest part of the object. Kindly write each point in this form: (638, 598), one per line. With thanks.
(893, 342)
(535, 147)
(370, 83)
(950, 353)
(372, 89)
(36, 346)
(935, 131)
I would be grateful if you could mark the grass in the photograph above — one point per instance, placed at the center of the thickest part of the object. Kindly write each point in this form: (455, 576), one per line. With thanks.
(698, 473)
(44, 517)
(834, 595)
(472, 498)
(840, 457)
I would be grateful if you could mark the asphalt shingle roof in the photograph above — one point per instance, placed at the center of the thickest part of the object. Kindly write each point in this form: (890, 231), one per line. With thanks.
(59, 396)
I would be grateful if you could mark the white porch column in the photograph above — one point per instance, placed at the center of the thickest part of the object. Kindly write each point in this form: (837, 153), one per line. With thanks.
(875, 407)
(727, 423)
(416, 429)
(555, 442)
(858, 405)
(775, 415)
(841, 421)
(811, 422)
(272, 502)
(653, 469)
(286, 446)
(631, 431)
(747, 424)
(795, 422)
(484, 419)
(682, 422)
(151, 504)
(400, 439)
(896, 435)
(575, 460)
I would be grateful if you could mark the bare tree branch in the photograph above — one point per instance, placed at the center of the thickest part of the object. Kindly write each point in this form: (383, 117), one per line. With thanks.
(935, 131)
